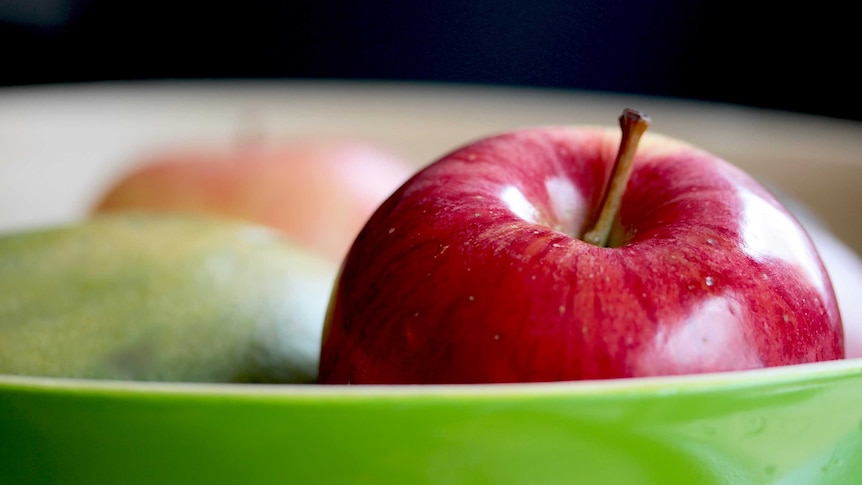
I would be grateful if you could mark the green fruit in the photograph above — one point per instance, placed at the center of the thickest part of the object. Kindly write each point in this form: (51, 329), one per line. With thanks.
(162, 298)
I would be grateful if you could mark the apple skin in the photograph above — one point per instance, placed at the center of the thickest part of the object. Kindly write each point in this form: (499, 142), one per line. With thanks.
(845, 271)
(317, 190)
(469, 273)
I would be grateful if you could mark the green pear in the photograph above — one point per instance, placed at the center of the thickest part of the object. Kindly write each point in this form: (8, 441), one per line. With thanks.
(137, 296)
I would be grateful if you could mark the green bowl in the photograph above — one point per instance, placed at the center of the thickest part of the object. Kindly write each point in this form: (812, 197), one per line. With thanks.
(800, 424)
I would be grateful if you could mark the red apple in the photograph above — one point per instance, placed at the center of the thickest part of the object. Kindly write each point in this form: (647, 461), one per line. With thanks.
(476, 271)
(319, 191)
(845, 271)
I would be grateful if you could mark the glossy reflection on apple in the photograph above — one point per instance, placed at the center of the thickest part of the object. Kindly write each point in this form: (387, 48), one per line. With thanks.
(567, 253)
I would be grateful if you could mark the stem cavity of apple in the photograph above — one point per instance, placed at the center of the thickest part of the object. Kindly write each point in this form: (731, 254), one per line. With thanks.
(633, 124)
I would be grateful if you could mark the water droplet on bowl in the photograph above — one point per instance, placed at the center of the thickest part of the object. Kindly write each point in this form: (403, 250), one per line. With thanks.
(754, 425)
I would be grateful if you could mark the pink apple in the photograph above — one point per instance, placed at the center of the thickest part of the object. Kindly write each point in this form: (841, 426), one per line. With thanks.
(476, 271)
(320, 191)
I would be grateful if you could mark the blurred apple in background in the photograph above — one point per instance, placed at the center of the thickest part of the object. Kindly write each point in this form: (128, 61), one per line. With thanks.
(162, 297)
(318, 190)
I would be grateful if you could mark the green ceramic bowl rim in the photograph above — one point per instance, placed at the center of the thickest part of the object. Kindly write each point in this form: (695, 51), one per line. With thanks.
(775, 378)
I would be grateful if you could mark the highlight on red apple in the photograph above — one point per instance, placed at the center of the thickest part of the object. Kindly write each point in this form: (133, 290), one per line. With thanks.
(572, 252)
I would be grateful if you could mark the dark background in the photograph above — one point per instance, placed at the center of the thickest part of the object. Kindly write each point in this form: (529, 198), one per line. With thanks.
(795, 57)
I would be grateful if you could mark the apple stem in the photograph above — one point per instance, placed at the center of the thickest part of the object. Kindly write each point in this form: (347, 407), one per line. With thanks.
(633, 124)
